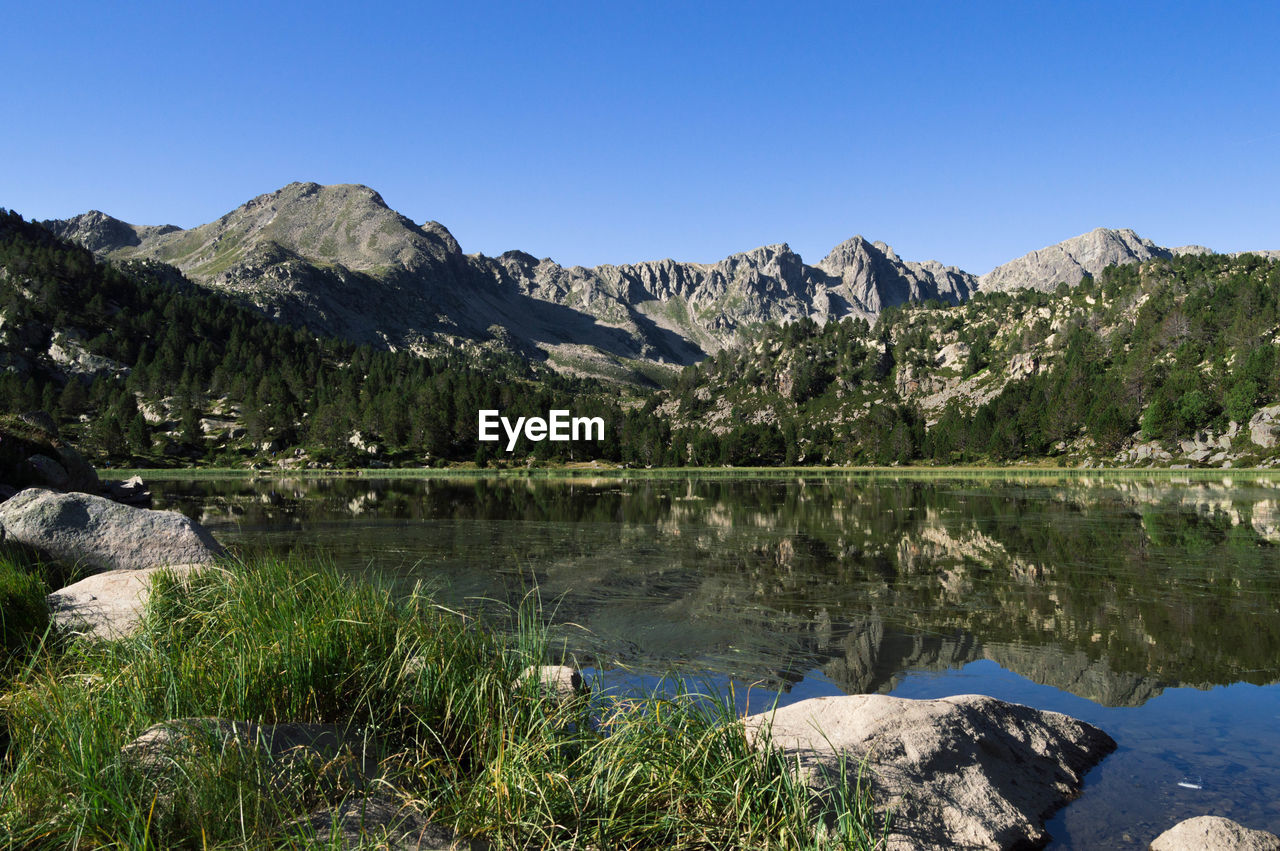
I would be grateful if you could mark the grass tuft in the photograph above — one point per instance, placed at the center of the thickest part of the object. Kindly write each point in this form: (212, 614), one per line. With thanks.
(428, 704)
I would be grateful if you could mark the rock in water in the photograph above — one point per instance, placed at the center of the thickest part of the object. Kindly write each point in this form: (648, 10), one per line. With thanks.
(99, 534)
(1214, 833)
(132, 491)
(961, 772)
(558, 681)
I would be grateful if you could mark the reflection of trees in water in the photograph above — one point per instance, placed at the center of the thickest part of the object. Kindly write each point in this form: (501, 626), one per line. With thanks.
(1109, 589)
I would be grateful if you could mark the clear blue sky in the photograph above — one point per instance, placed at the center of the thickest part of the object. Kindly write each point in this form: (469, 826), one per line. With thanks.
(609, 132)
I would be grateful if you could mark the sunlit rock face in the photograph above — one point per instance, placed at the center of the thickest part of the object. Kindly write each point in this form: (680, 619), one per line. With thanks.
(1067, 261)
(338, 260)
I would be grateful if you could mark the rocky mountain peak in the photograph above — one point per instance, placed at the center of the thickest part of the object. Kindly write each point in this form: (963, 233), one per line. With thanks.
(337, 258)
(1069, 260)
(849, 252)
(871, 276)
(774, 257)
(439, 232)
(101, 233)
(347, 225)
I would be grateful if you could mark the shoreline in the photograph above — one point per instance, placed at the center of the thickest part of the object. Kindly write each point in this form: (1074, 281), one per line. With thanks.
(918, 473)
(357, 676)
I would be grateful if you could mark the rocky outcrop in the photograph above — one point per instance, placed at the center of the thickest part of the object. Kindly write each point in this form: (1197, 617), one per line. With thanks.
(107, 605)
(102, 234)
(1214, 833)
(1263, 427)
(871, 277)
(338, 260)
(1069, 260)
(97, 534)
(67, 351)
(960, 772)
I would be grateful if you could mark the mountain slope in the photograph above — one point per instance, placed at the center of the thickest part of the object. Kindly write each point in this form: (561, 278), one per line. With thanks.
(338, 260)
(1069, 260)
(140, 365)
(1172, 361)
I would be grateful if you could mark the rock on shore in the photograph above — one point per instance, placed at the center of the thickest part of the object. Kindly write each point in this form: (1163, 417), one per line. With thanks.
(1214, 833)
(99, 534)
(107, 605)
(961, 772)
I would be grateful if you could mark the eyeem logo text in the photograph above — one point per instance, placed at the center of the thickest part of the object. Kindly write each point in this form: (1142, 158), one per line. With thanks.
(558, 427)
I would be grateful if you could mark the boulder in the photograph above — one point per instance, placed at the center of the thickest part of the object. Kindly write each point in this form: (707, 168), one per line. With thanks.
(1023, 365)
(48, 472)
(378, 821)
(952, 356)
(80, 473)
(24, 438)
(107, 605)
(98, 534)
(560, 681)
(1263, 434)
(1214, 833)
(961, 772)
(1262, 427)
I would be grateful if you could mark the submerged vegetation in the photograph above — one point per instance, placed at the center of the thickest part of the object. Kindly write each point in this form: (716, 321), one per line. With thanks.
(430, 705)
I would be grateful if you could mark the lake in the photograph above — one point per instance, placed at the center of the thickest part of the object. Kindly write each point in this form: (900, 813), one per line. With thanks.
(1149, 607)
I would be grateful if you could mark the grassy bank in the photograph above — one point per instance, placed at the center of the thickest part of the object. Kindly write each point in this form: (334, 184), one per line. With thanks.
(431, 699)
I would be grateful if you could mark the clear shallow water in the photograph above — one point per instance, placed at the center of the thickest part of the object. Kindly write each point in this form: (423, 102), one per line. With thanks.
(1151, 609)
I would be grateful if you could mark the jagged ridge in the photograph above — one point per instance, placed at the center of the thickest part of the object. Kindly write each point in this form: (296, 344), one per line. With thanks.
(338, 260)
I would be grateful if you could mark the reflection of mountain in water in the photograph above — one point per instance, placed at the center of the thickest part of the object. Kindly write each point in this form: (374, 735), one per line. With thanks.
(875, 660)
(1109, 590)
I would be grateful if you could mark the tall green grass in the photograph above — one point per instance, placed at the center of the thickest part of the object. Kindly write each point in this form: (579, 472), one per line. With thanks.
(431, 694)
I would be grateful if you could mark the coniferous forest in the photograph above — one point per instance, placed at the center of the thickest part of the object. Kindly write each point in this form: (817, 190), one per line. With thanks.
(142, 367)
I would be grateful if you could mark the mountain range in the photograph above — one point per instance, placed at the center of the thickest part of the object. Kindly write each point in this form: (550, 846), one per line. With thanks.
(339, 261)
